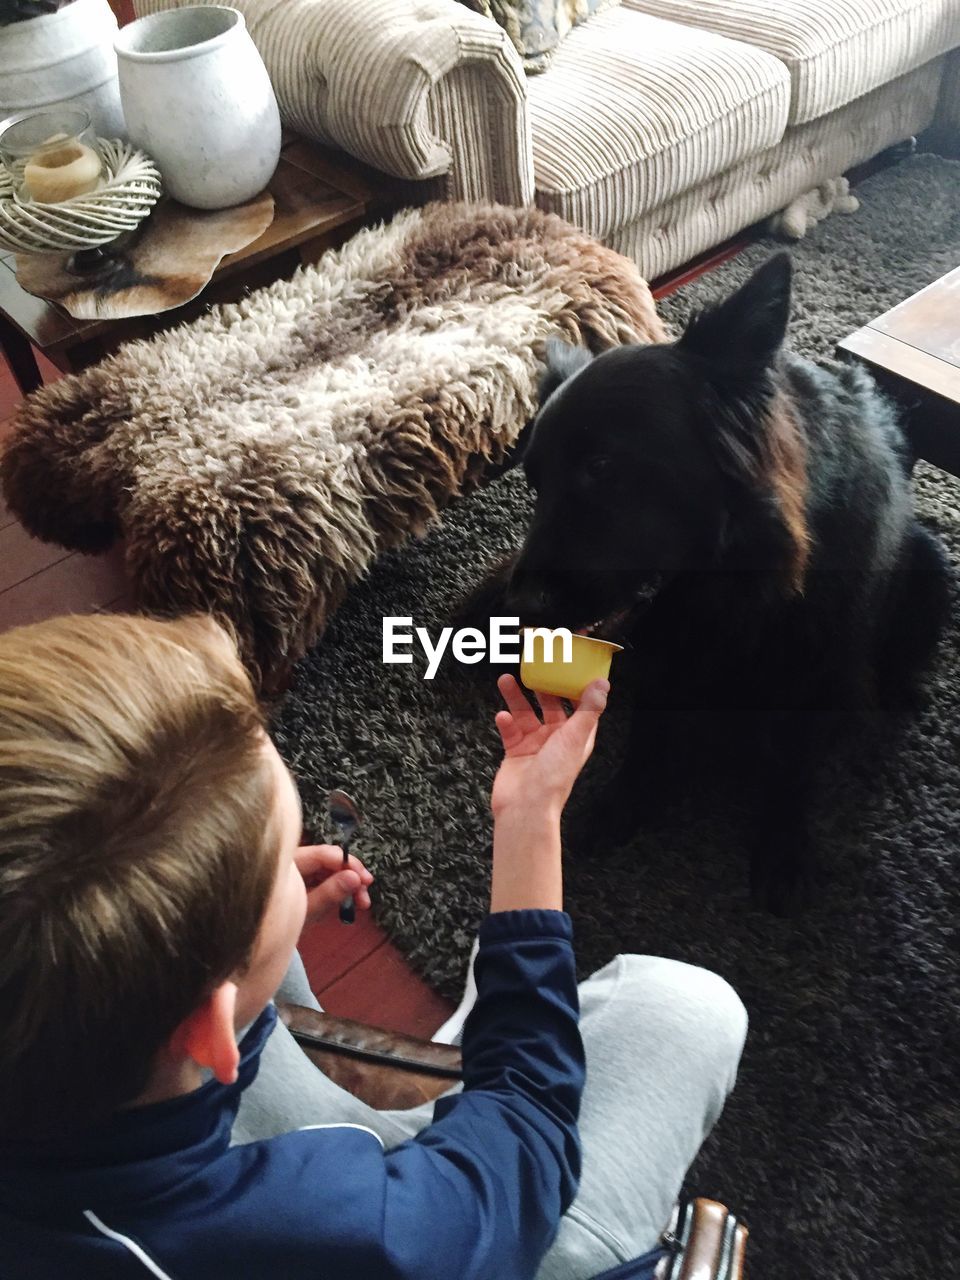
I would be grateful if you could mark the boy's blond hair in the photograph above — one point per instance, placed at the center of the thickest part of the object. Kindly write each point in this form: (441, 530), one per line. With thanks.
(138, 848)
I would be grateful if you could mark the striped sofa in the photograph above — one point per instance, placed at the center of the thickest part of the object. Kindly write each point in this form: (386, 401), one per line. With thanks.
(661, 126)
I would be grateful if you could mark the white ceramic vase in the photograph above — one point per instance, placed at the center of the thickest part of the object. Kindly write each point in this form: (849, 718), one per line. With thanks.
(63, 58)
(197, 98)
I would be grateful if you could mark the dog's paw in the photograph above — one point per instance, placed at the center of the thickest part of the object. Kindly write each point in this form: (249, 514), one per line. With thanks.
(782, 884)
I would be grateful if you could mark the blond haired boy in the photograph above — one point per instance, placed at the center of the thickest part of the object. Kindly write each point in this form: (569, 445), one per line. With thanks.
(152, 890)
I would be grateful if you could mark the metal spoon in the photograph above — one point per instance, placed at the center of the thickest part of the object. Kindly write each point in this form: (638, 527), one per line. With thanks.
(346, 817)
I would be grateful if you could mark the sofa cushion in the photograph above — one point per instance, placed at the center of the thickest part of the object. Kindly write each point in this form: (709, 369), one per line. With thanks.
(536, 27)
(705, 215)
(634, 109)
(835, 50)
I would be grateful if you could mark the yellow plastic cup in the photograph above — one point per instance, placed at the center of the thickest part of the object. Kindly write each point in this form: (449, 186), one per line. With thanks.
(589, 660)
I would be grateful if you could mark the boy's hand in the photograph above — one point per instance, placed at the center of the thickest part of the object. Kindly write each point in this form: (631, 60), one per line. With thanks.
(542, 759)
(328, 881)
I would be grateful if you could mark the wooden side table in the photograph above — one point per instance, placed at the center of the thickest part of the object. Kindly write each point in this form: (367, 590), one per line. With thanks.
(913, 351)
(321, 198)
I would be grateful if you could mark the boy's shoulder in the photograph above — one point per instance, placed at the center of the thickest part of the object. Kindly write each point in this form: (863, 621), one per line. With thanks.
(310, 1198)
(166, 1187)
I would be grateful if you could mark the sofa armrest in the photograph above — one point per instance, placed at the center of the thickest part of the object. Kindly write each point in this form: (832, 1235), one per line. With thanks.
(417, 88)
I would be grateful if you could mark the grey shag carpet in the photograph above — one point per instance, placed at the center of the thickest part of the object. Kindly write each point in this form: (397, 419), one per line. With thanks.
(840, 1145)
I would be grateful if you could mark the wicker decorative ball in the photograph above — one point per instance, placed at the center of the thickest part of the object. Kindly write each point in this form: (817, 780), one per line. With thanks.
(129, 189)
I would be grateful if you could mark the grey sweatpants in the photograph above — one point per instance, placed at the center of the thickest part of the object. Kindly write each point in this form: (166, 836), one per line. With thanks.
(663, 1042)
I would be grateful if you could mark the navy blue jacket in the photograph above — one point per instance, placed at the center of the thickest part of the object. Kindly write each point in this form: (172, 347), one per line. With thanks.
(479, 1193)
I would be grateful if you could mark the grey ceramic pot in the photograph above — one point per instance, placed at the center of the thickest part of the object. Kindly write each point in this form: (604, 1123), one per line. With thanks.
(197, 98)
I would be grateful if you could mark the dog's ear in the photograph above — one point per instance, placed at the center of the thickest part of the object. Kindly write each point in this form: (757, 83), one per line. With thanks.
(747, 329)
(563, 361)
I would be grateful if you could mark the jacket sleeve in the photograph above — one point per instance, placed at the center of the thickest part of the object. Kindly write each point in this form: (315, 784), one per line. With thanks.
(480, 1192)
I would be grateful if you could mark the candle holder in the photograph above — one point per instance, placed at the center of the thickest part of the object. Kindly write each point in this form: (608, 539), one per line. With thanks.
(50, 154)
(127, 189)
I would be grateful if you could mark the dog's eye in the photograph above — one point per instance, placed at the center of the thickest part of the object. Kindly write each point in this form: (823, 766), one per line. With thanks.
(599, 467)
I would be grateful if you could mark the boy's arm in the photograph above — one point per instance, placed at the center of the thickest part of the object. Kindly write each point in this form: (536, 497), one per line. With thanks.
(501, 1162)
(541, 762)
(481, 1191)
(478, 1195)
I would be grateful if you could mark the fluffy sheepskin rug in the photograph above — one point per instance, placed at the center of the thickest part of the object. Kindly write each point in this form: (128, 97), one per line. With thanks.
(256, 460)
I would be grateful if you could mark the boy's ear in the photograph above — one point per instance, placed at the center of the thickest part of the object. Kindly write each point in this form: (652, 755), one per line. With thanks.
(563, 361)
(208, 1035)
(747, 329)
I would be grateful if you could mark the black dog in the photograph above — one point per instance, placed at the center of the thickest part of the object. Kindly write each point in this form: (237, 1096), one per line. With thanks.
(743, 518)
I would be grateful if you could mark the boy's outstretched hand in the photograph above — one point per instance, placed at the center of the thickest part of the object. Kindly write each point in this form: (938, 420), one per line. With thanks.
(542, 758)
(328, 881)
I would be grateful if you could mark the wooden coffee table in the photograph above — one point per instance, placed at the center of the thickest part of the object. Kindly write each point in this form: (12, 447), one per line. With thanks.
(321, 197)
(914, 353)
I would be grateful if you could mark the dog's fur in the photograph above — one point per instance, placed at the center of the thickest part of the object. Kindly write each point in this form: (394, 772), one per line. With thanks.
(769, 499)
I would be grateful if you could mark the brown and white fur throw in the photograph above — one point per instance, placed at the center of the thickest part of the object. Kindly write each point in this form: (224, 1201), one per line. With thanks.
(257, 460)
